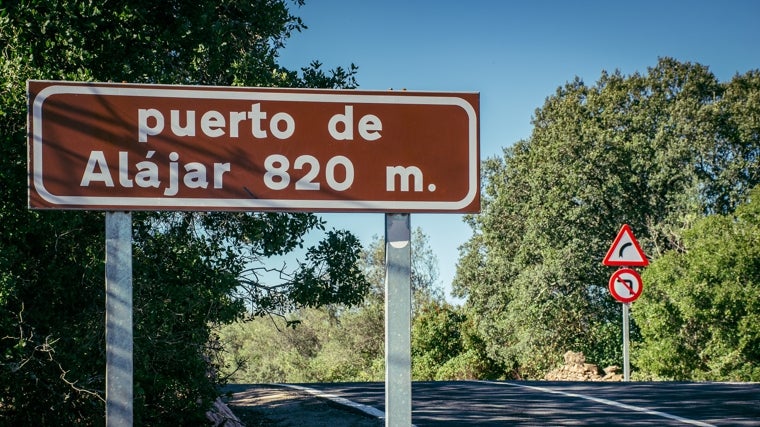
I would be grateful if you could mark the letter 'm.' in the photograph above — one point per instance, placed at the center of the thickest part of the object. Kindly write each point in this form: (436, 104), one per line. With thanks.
(404, 174)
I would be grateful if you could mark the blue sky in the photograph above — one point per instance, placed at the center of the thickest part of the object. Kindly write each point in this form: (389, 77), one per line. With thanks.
(515, 53)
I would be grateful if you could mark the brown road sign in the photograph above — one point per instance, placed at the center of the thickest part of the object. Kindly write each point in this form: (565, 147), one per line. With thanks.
(155, 147)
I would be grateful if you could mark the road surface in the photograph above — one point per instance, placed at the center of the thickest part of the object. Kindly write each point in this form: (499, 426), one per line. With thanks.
(538, 403)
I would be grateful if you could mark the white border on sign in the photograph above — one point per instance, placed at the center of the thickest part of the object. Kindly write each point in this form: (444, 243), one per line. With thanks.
(252, 204)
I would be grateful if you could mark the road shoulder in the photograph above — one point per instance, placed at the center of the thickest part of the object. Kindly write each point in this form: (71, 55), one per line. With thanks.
(273, 405)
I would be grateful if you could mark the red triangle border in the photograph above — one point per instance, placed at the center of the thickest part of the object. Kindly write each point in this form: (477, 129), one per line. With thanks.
(608, 262)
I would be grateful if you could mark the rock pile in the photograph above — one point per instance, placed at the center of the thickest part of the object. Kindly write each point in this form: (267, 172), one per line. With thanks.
(576, 369)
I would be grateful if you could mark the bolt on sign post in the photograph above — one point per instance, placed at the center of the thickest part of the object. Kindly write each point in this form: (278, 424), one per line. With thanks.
(625, 284)
(125, 147)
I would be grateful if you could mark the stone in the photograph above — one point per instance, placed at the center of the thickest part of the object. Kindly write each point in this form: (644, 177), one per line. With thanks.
(575, 368)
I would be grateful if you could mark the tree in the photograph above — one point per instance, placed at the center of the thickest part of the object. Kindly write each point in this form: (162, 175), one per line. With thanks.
(446, 346)
(436, 338)
(700, 312)
(656, 151)
(187, 266)
(424, 263)
(334, 342)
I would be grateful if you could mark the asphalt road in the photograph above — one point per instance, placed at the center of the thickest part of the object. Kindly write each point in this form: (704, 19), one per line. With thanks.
(543, 403)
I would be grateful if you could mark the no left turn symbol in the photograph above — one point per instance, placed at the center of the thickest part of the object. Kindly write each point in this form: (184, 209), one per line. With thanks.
(625, 285)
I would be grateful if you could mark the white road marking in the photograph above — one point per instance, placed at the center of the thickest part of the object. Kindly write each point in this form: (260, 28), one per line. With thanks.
(608, 402)
(369, 410)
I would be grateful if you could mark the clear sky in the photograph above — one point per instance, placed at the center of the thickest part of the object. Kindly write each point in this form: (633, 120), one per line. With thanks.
(515, 53)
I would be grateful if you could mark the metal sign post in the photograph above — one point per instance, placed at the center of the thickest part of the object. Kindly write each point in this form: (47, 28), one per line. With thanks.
(119, 366)
(625, 284)
(626, 349)
(398, 320)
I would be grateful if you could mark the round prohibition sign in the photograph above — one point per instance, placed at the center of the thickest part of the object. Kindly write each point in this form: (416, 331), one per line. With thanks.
(625, 285)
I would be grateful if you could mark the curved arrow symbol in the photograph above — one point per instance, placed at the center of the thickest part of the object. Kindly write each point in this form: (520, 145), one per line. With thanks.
(622, 248)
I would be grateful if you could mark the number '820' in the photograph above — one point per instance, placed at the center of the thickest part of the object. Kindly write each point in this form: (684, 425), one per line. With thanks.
(277, 176)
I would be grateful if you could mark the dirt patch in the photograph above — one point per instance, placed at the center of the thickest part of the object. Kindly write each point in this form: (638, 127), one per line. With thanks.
(268, 405)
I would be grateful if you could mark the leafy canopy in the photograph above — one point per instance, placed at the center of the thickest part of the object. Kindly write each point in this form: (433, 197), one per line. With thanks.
(656, 151)
(700, 312)
(188, 267)
(340, 343)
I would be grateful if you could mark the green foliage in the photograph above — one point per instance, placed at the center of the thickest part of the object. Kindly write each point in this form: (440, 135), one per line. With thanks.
(435, 339)
(656, 151)
(700, 312)
(320, 348)
(187, 266)
(425, 274)
(437, 332)
(51, 317)
(446, 346)
(469, 365)
(336, 343)
(331, 279)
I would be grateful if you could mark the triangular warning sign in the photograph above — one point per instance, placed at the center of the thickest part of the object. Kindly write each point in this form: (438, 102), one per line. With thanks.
(625, 250)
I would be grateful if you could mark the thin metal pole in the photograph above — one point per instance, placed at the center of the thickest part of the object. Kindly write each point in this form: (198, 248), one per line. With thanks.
(119, 365)
(398, 321)
(626, 347)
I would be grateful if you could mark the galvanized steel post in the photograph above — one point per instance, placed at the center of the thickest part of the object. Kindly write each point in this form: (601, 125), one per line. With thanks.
(119, 365)
(626, 345)
(398, 315)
